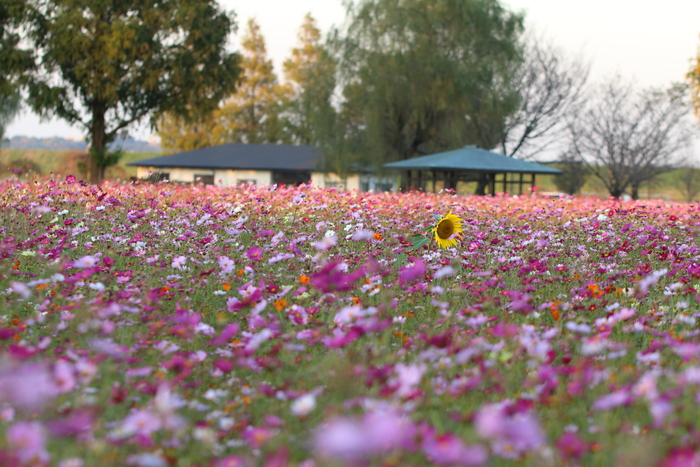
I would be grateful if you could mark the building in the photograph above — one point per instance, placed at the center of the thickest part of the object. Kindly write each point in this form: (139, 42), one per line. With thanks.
(469, 164)
(261, 164)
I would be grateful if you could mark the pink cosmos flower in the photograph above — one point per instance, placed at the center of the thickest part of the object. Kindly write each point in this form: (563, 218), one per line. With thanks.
(85, 262)
(254, 253)
(447, 449)
(351, 439)
(64, 375)
(29, 442)
(414, 272)
(26, 385)
(362, 235)
(178, 262)
(257, 436)
(511, 429)
(230, 461)
(20, 289)
(571, 446)
(141, 422)
(681, 458)
(408, 377)
(612, 400)
(226, 264)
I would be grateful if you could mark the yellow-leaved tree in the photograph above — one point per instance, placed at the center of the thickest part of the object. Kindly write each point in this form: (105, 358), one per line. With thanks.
(694, 78)
(310, 75)
(251, 115)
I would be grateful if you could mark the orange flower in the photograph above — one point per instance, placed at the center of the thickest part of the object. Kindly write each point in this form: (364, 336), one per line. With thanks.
(240, 273)
(377, 236)
(304, 279)
(280, 304)
(226, 287)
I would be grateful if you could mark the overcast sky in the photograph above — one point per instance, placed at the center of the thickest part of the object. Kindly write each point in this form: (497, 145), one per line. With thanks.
(648, 41)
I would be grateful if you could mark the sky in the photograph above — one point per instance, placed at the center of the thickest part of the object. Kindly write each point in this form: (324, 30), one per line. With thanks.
(648, 41)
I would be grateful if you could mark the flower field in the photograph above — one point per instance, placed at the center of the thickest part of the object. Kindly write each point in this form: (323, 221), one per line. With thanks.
(164, 325)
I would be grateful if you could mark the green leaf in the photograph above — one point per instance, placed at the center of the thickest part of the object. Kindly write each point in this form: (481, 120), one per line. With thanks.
(419, 241)
(401, 259)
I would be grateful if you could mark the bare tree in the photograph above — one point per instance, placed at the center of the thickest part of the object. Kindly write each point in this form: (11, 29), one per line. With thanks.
(688, 179)
(627, 137)
(551, 89)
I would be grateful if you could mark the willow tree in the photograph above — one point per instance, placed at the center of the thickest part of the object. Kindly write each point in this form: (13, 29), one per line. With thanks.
(418, 75)
(106, 65)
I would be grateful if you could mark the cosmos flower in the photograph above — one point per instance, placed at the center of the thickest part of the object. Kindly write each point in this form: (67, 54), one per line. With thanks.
(447, 230)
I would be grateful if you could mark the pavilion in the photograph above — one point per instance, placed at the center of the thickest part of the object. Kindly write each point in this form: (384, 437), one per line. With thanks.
(469, 164)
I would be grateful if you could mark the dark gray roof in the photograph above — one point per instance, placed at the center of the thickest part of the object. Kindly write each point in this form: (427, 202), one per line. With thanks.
(471, 159)
(242, 157)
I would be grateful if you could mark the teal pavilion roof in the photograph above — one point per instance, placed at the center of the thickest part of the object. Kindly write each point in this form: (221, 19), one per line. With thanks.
(471, 159)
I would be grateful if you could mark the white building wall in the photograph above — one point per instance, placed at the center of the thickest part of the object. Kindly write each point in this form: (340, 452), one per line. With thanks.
(264, 177)
(221, 177)
(330, 180)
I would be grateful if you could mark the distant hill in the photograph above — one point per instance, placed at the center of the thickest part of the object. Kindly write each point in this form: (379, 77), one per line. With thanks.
(129, 144)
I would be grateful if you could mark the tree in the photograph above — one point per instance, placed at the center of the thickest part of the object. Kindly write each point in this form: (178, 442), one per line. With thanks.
(688, 179)
(9, 107)
(573, 176)
(310, 74)
(627, 137)
(251, 115)
(16, 59)
(693, 77)
(108, 65)
(551, 89)
(417, 74)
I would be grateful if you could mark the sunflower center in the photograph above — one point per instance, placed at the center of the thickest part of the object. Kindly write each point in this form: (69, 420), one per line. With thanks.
(445, 229)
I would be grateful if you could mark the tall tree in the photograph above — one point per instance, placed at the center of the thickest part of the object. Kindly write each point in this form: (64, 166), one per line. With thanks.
(551, 87)
(310, 75)
(627, 137)
(251, 115)
(106, 64)
(418, 74)
(694, 80)
(16, 58)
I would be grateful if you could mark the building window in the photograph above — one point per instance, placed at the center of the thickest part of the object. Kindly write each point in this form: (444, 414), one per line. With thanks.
(364, 186)
(291, 178)
(380, 187)
(246, 181)
(206, 179)
(339, 184)
(158, 177)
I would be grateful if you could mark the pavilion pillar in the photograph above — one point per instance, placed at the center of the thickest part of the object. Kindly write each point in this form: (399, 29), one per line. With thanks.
(434, 181)
(532, 186)
(505, 182)
(520, 184)
(492, 184)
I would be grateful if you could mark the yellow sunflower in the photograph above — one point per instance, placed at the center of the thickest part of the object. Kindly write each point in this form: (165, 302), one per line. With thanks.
(447, 230)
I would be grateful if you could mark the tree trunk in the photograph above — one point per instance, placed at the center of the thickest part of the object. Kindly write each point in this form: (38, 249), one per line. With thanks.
(97, 151)
(634, 191)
